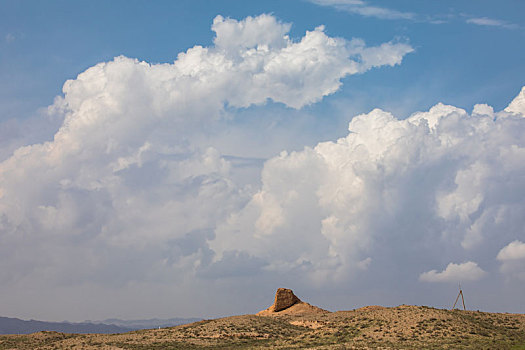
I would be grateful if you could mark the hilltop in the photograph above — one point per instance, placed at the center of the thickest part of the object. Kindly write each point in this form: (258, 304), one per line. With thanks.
(372, 327)
(287, 303)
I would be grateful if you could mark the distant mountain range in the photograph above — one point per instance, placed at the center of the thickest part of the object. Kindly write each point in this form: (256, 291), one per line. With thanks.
(10, 325)
(146, 324)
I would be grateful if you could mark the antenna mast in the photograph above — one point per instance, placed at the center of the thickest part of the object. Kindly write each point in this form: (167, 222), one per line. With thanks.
(462, 299)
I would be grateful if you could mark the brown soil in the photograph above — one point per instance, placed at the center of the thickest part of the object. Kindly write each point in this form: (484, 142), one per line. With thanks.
(402, 327)
(300, 308)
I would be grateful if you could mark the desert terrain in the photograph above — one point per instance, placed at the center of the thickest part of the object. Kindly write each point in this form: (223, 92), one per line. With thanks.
(293, 324)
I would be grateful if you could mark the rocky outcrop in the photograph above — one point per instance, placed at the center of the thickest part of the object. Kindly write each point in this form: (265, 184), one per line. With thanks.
(284, 298)
(287, 303)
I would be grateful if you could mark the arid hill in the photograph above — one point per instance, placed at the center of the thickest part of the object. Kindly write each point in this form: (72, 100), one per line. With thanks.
(286, 303)
(372, 327)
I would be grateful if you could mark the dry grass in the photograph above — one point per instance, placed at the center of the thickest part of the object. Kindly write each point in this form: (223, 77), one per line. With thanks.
(402, 327)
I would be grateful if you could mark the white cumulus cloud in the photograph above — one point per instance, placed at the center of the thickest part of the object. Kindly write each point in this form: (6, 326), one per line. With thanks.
(391, 190)
(517, 106)
(132, 191)
(513, 251)
(512, 258)
(468, 271)
(130, 188)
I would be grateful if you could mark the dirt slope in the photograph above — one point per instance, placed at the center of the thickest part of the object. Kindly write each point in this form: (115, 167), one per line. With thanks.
(402, 327)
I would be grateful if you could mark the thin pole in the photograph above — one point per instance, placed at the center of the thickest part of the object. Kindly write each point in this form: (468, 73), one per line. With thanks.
(456, 301)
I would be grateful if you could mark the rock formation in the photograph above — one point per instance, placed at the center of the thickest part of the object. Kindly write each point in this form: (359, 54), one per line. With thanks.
(286, 303)
(284, 298)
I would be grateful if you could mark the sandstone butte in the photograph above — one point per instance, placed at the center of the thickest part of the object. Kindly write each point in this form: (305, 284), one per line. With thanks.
(287, 303)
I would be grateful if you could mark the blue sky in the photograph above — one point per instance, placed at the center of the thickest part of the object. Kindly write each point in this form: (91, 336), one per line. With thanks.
(213, 170)
(52, 41)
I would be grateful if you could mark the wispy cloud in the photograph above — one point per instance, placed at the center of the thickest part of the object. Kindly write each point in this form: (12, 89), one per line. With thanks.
(366, 9)
(9, 38)
(362, 8)
(491, 22)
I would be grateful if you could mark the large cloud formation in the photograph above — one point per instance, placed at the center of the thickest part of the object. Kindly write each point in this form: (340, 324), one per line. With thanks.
(129, 190)
(440, 185)
(385, 207)
(130, 201)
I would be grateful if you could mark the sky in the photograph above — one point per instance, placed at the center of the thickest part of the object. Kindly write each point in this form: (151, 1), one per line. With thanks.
(187, 158)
